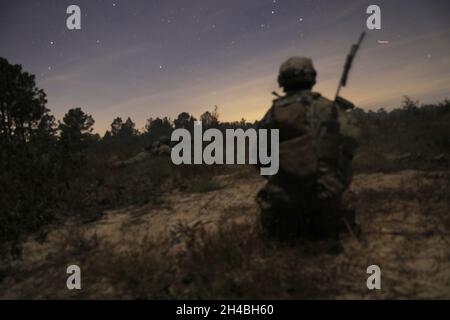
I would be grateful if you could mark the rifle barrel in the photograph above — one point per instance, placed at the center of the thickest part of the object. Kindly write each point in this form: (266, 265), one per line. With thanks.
(349, 62)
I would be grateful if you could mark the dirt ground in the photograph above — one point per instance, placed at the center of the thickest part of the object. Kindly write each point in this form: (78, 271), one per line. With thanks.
(404, 217)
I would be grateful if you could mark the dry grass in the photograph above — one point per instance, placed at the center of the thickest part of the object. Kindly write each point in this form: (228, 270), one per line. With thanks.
(404, 216)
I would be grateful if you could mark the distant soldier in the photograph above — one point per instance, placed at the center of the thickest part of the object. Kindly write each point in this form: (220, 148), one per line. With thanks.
(161, 147)
(317, 144)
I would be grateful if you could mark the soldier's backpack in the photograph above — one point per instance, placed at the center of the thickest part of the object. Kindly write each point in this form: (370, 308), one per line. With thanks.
(309, 132)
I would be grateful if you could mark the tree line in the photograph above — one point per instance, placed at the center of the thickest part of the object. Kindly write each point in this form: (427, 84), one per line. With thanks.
(48, 167)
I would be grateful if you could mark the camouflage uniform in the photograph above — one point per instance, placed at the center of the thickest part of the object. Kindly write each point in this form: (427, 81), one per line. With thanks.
(317, 144)
(161, 147)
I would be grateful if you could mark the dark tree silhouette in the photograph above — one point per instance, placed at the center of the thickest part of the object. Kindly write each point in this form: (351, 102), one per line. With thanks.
(29, 157)
(76, 130)
(128, 128)
(157, 128)
(185, 121)
(22, 104)
(123, 129)
(210, 119)
(116, 126)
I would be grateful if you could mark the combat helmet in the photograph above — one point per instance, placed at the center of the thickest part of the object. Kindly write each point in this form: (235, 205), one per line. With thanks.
(297, 73)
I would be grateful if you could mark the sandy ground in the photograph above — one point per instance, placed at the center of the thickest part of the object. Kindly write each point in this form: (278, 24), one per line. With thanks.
(409, 243)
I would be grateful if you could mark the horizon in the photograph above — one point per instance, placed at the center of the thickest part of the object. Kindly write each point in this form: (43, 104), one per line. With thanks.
(143, 59)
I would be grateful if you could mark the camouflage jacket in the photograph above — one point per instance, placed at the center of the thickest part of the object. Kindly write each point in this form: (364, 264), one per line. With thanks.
(313, 143)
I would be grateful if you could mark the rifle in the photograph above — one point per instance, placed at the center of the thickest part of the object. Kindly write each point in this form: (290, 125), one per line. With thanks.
(333, 124)
(348, 65)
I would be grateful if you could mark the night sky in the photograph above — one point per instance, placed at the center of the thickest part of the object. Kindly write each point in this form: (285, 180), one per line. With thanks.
(148, 58)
